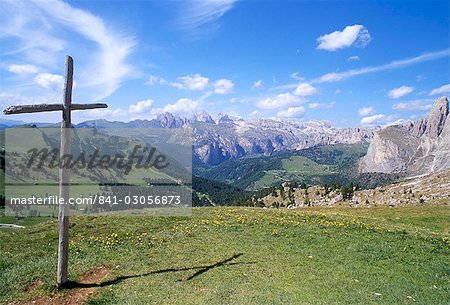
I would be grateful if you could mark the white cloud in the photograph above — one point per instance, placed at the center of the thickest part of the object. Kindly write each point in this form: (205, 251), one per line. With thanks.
(23, 69)
(441, 90)
(223, 86)
(338, 76)
(305, 90)
(50, 81)
(182, 106)
(353, 34)
(316, 105)
(374, 119)
(365, 111)
(296, 76)
(139, 110)
(282, 100)
(194, 82)
(414, 105)
(194, 14)
(291, 112)
(400, 91)
(353, 58)
(258, 84)
(141, 107)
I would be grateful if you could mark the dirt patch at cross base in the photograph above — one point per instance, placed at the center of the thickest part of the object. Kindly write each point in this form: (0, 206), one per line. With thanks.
(74, 295)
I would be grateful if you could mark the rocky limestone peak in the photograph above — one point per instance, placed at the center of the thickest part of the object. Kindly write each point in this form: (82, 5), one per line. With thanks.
(223, 118)
(169, 120)
(204, 117)
(437, 117)
(419, 147)
(417, 128)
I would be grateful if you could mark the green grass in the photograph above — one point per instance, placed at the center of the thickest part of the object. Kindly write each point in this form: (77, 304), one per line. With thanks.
(295, 168)
(304, 165)
(306, 256)
(315, 165)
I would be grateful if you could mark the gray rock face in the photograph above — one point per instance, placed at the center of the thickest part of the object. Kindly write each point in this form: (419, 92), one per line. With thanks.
(203, 117)
(418, 148)
(436, 118)
(390, 150)
(234, 138)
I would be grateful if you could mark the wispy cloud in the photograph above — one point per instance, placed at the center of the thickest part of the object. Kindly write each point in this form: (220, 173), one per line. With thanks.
(397, 64)
(373, 119)
(381, 120)
(32, 32)
(400, 91)
(108, 66)
(413, 105)
(22, 69)
(441, 90)
(316, 105)
(353, 58)
(101, 65)
(194, 82)
(296, 76)
(194, 14)
(338, 76)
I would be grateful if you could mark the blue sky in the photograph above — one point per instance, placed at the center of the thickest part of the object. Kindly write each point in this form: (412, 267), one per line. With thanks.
(352, 63)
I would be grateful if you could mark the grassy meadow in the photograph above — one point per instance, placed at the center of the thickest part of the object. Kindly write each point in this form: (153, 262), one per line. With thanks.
(336, 255)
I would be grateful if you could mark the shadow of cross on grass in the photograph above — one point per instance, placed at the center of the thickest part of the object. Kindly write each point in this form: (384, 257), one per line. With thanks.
(200, 270)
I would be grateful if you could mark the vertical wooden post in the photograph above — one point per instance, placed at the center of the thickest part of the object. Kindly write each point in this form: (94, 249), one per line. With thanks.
(64, 177)
(64, 172)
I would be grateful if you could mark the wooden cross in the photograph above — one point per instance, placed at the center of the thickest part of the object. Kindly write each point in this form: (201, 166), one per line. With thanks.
(64, 171)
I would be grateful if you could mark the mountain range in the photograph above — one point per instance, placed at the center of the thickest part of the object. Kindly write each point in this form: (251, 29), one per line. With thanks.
(417, 147)
(225, 137)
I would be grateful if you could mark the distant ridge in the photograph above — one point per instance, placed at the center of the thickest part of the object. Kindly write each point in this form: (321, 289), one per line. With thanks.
(225, 137)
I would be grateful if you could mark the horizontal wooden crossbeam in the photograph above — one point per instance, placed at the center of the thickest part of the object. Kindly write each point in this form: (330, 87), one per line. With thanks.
(49, 107)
